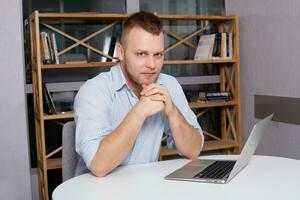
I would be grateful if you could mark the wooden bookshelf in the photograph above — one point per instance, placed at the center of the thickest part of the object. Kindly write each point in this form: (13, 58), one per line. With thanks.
(229, 72)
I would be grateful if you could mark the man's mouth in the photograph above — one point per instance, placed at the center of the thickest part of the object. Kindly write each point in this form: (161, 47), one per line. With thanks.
(149, 74)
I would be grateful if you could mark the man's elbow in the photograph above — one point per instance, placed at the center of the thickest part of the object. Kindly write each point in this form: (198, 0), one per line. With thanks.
(99, 170)
(194, 154)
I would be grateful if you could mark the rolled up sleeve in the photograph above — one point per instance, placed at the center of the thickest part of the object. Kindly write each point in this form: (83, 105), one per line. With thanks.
(92, 125)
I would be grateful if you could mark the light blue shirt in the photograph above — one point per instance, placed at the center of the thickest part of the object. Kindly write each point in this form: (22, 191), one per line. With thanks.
(103, 102)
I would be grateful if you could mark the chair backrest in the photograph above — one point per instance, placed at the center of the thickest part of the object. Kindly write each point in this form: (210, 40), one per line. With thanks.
(69, 155)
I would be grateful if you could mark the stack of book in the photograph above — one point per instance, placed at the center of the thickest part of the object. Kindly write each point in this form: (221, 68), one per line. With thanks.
(214, 46)
(48, 46)
(207, 97)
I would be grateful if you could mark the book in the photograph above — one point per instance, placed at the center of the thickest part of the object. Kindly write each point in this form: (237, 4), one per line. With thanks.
(218, 94)
(115, 54)
(50, 48)
(48, 102)
(217, 46)
(206, 97)
(54, 46)
(105, 49)
(46, 53)
(112, 48)
(205, 47)
(230, 44)
(223, 46)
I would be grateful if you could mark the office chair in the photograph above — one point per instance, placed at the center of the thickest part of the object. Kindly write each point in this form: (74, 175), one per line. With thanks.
(69, 155)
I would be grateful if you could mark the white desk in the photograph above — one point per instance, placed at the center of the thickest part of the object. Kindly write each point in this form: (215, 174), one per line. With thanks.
(264, 178)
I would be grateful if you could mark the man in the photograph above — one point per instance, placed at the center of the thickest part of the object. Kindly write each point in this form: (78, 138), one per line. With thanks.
(121, 114)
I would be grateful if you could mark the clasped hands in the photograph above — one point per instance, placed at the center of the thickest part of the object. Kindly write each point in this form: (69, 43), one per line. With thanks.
(155, 98)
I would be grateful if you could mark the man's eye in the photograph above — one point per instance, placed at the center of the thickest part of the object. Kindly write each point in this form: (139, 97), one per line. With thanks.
(158, 55)
(141, 54)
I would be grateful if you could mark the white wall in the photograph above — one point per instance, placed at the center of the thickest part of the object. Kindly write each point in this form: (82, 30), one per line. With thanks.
(14, 155)
(270, 65)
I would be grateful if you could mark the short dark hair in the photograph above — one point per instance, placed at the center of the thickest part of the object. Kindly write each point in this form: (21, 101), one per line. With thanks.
(145, 20)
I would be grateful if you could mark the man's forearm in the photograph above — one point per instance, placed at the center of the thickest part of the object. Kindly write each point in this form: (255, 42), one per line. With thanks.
(187, 139)
(114, 147)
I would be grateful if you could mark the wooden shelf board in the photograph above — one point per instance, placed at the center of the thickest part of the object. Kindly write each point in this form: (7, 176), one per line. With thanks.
(66, 115)
(79, 65)
(219, 144)
(82, 15)
(196, 17)
(213, 104)
(180, 62)
(54, 163)
(101, 16)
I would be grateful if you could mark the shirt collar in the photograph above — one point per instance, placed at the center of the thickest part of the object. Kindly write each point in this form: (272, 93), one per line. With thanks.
(118, 77)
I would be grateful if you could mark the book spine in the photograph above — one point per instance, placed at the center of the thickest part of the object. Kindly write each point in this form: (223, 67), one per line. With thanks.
(230, 49)
(227, 45)
(42, 48)
(49, 100)
(54, 45)
(223, 46)
(46, 48)
(217, 46)
(50, 48)
(46, 101)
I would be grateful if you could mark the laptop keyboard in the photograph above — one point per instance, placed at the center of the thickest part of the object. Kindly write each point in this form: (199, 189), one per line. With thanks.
(217, 170)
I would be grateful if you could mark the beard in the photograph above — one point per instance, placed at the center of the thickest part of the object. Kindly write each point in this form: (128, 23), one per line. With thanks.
(136, 80)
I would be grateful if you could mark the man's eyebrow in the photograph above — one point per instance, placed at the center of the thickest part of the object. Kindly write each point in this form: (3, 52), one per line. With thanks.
(142, 50)
(145, 51)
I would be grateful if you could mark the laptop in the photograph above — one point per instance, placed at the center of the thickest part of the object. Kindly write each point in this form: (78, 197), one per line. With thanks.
(221, 171)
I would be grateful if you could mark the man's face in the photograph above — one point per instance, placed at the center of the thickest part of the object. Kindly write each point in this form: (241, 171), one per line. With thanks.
(141, 55)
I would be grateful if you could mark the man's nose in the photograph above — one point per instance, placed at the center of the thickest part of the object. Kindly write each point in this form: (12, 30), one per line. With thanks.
(151, 62)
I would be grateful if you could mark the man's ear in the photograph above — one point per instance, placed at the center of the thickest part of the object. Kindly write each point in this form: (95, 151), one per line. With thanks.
(120, 51)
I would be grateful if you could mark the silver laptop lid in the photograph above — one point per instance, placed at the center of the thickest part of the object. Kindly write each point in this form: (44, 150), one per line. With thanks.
(250, 146)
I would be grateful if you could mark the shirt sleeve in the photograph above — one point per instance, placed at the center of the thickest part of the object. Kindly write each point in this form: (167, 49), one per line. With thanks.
(91, 115)
(181, 103)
